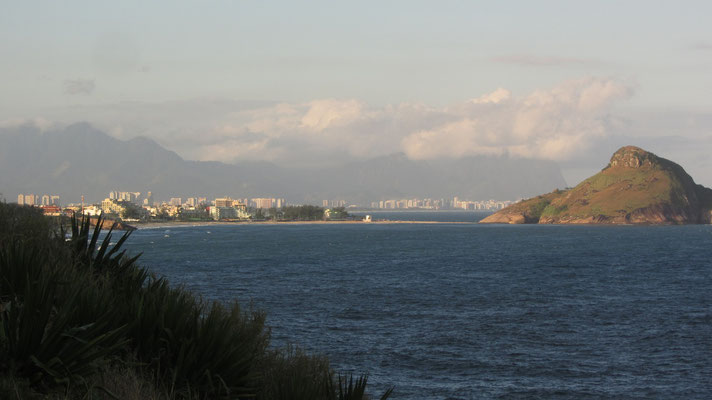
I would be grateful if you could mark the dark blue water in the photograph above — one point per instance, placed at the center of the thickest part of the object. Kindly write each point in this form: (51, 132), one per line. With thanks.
(461, 311)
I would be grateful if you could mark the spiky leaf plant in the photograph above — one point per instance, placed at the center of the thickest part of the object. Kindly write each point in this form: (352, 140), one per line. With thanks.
(292, 374)
(42, 338)
(104, 258)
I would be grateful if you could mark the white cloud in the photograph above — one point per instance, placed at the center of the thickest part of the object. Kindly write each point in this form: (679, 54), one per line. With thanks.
(498, 96)
(555, 124)
(558, 123)
(323, 114)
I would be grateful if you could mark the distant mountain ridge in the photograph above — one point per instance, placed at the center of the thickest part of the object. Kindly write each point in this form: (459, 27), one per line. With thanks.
(82, 160)
(636, 187)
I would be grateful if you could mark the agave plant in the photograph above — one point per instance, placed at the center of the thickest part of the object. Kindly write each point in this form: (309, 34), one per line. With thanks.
(348, 389)
(211, 350)
(292, 374)
(42, 339)
(84, 241)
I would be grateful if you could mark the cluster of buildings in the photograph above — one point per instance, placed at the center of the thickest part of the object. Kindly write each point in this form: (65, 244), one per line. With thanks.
(334, 203)
(488, 205)
(126, 205)
(440, 204)
(48, 202)
(132, 206)
(35, 200)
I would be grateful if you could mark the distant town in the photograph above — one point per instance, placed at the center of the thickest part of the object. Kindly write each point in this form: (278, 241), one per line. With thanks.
(133, 206)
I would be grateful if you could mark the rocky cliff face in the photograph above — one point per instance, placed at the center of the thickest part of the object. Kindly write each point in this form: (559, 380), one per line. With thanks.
(637, 187)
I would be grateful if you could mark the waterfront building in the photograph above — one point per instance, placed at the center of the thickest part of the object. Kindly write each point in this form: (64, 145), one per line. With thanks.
(51, 210)
(91, 211)
(218, 213)
(113, 206)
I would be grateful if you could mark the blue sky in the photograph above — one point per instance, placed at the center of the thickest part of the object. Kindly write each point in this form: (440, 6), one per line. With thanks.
(76, 60)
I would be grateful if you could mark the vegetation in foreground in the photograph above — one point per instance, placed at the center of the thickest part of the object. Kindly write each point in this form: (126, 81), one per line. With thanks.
(81, 320)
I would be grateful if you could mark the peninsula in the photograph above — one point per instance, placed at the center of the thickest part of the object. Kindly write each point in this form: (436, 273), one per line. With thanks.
(636, 187)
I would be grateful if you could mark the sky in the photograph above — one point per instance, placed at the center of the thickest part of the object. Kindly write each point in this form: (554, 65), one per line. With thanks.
(320, 82)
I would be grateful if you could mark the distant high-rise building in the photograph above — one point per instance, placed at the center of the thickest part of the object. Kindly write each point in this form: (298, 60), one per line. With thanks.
(124, 196)
(30, 199)
(54, 200)
(223, 202)
(263, 202)
(175, 201)
(45, 200)
(129, 196)
(20, 199)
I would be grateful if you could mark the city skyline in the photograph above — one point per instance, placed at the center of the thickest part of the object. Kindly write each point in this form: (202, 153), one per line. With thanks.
(149, 201)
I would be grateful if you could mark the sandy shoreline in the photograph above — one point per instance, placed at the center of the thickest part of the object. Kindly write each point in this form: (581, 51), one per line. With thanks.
(180, 224)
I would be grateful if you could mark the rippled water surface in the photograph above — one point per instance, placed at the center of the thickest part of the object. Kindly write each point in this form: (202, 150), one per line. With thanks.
(460, 311)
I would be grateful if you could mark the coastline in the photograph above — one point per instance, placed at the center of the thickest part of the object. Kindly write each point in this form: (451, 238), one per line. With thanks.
(181, 224)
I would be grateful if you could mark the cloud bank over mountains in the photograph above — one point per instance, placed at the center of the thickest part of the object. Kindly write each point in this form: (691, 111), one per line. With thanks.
(558, 123)
(576, 123)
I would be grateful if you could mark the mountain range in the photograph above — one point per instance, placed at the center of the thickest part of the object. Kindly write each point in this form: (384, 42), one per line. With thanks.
(82, 160)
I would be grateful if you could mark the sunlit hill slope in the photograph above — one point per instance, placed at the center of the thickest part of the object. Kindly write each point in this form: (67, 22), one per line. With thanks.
(636, 187)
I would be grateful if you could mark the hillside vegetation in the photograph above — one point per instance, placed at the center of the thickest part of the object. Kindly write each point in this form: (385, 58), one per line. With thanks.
(79, 319)
(636, 187)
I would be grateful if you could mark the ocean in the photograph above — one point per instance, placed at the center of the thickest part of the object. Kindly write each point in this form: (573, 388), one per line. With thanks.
(467, 311)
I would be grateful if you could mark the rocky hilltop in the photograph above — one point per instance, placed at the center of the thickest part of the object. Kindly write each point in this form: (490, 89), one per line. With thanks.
(636, 187)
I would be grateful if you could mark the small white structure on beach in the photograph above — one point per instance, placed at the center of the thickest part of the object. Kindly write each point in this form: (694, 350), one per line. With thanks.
(367, 218)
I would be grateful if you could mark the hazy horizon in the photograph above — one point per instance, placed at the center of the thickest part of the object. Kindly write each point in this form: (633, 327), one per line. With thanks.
(320, 84)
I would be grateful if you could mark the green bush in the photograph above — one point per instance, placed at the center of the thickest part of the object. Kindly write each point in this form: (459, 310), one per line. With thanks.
(72, 308)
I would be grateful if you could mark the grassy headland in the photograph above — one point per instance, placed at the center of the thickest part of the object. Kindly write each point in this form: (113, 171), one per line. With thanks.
(636, 187)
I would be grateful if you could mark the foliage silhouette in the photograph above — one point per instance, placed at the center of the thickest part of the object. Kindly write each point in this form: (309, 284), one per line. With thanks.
(73, 306)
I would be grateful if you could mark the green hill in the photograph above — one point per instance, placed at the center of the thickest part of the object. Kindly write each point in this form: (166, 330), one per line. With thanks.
(636, 187)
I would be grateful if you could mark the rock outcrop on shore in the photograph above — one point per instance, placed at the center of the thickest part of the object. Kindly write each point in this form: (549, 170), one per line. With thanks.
(636, 187)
